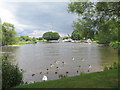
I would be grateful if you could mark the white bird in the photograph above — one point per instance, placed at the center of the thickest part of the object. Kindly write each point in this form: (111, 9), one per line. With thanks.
(52, 65)
(73, 59)
(82, 59)
(44, 78)
(90, 67)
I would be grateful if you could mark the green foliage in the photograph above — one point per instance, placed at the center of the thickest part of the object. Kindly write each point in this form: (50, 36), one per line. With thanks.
(108, 31)
(115, 65)
(99, 20)
(51, 36)
(26, 40)
(86, 22)
(115, 44)
(11, 76)
(76, 35)
(40, 38)
(65, 37)
(8, 34)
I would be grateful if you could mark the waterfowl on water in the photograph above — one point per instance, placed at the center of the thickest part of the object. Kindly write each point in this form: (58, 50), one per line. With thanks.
(63, 63)
(67, 72)
(33, 74)
(44, 78)
(52, 65)
(88, 70)
(48, 70)
(56, 72)
(22, 70)
(40, 72)
(56, 62)
(73, 59)
(82, 59)
(90, 67)
(61, 75)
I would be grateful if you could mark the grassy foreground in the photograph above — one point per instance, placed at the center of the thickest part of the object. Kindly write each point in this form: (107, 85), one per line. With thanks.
(105, 79)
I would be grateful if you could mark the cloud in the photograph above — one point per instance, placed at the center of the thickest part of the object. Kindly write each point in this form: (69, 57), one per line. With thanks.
(39, 33)
(37, 17)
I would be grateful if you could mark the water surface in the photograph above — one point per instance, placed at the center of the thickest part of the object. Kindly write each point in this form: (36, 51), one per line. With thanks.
(36, 58)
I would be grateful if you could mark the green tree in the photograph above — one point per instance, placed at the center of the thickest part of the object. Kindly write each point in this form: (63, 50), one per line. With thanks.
(107, 21)
(11, 75)
(40, 38)
(100, 17)
(65, 37)
(25, 38)
(51, 36)
(85, 23)
(8, 34)
(76, 35)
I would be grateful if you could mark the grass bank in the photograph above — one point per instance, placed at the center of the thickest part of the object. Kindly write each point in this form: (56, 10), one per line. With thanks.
(24, 42)
(105, 79)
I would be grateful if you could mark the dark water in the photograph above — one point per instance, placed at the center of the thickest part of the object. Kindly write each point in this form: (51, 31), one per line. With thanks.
(36, 58)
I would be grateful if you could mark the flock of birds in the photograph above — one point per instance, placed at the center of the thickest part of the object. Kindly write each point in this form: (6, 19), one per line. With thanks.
(55, 66)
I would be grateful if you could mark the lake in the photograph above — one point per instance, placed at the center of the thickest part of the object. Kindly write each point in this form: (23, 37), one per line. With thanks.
(36, 58)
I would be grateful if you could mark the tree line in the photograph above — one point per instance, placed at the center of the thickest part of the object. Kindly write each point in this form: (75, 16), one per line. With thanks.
(96, 20)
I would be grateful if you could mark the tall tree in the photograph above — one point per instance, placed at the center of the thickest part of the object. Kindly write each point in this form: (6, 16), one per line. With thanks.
(99, 16)
(107, 21)
(85, 21)
(8, 34)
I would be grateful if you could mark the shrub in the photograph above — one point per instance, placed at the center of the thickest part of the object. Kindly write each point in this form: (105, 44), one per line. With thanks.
(115, 65)
(11, 76)
(115, 44)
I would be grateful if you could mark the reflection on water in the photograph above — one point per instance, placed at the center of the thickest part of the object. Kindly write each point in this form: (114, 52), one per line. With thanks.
(36, 58)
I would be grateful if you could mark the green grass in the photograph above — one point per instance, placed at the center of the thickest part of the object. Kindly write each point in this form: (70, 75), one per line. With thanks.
(105, 79)
(24, 42)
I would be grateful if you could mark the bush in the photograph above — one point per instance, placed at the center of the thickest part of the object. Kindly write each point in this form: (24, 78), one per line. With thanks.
(11, 76)
(115, 65)
(65, 37)
(115, 44)
(51, 36)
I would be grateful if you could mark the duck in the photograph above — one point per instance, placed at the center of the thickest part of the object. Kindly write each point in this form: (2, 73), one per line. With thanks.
(33, 74)
(73, 59)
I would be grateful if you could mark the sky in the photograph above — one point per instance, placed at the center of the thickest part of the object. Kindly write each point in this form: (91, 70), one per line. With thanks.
(33, 18)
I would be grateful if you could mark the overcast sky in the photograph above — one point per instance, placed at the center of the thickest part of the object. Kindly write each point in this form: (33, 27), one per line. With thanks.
(35, 18)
